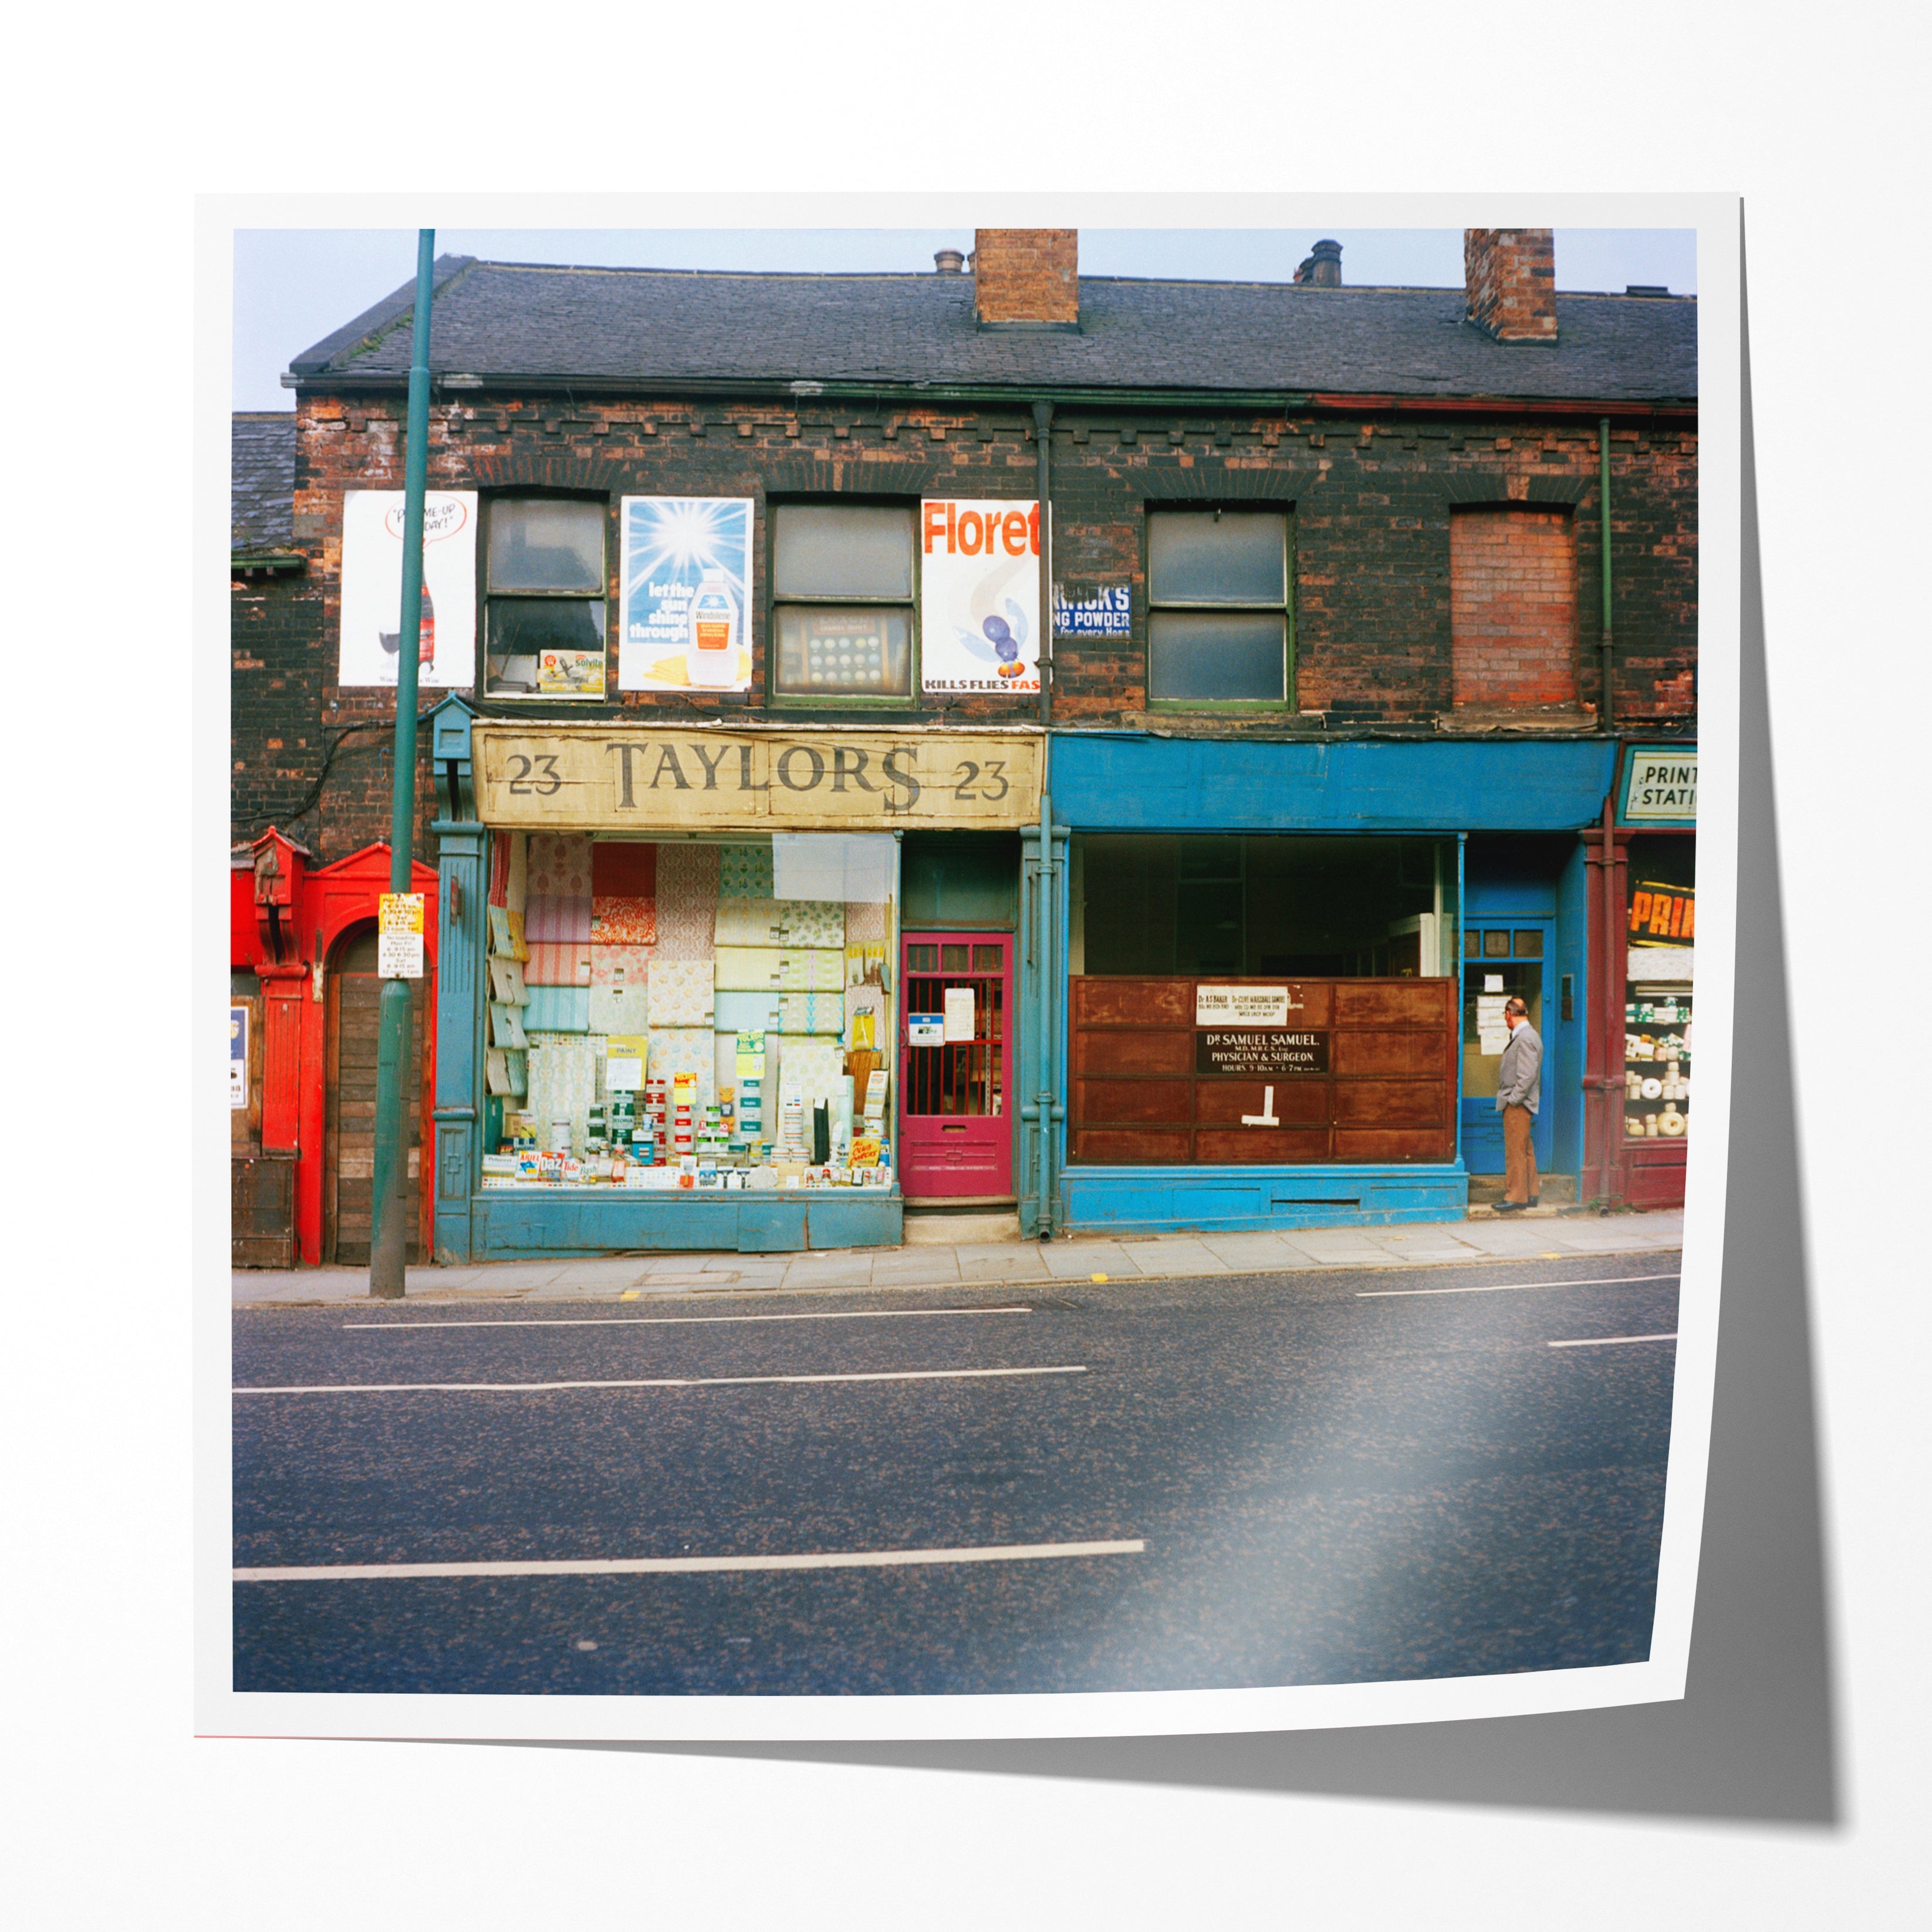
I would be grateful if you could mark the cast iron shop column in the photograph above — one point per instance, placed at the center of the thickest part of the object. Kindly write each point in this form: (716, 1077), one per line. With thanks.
(460, 1011)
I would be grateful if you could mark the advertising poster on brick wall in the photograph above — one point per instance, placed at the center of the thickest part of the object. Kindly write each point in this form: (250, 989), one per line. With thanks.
(687, 564)
(978, 601)
(372, 588)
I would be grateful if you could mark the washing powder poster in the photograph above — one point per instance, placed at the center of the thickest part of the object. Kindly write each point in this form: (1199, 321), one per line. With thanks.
(372, 588)
(979, 599)
(687, 564)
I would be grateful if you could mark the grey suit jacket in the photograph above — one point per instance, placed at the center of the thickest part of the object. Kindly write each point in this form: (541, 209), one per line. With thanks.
(1519, 1078)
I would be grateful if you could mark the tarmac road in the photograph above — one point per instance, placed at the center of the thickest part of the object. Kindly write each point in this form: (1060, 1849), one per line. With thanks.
(1318, 1477)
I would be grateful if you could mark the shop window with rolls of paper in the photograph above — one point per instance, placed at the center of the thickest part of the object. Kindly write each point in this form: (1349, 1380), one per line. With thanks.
(691, 1014)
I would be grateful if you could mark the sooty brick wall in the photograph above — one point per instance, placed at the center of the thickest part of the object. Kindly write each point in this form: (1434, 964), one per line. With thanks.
(1372, 497)
(1512, 606)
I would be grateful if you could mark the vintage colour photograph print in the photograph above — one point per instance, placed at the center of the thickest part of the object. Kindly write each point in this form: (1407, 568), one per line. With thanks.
(1062, 1067)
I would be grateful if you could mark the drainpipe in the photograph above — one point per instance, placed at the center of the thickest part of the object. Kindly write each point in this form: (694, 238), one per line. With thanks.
(1603, 511)
(1612, 1011)
(1043, 1019)
(1043, 434)
(389, 1232)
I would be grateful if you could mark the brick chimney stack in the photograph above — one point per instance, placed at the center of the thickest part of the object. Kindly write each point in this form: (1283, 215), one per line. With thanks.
(1510, 277)
(1028, 276)
(1322, 269)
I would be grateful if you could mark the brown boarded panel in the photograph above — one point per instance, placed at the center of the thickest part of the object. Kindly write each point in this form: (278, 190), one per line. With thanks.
(1123, 1147)
(1221, 1103)
(1260, 1146)
(1311, 1003)
(1136, 1002)
(1393, 1003)
(1120, 1103)
(1369, 1144)
(1149, 1052)
(1360, 1053)
(1389, 1103)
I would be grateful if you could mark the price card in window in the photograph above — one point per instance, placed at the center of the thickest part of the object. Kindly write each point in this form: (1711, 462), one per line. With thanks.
(926, 1029)
(959, 1013)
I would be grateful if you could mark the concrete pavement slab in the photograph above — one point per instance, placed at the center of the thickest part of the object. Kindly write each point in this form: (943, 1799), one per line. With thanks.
(914, 1267)
(843, 1268)
(990, 1262)
(1074, 1261)
(1169, 1255)
(1246, 1253)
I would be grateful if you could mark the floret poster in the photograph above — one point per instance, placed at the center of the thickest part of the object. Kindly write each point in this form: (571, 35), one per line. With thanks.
(979, 605)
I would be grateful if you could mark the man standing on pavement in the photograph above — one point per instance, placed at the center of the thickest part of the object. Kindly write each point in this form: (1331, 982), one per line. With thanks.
(1519, 1089)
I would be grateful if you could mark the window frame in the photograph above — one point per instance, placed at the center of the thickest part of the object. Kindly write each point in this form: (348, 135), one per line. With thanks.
(775, 603)
(1208, 506)
(485, 596)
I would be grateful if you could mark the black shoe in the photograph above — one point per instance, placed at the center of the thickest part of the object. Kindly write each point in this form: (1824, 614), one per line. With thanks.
(1511, 1207)
(1535, 1198)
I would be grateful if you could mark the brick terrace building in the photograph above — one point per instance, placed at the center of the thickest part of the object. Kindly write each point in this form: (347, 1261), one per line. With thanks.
(1329, 710)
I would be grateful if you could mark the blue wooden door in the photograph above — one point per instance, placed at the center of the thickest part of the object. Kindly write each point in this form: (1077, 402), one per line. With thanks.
(1505, 953)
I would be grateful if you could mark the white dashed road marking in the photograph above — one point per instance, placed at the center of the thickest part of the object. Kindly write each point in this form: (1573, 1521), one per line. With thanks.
(1611, 1341)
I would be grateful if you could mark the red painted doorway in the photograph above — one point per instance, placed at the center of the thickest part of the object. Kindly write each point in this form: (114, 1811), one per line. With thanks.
(955, 1136)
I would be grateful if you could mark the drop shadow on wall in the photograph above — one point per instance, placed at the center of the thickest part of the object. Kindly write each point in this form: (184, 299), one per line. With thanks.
(1755, 1737)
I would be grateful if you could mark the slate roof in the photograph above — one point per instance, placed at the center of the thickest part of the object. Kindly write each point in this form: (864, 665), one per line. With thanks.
(261, 482)
(682, 330)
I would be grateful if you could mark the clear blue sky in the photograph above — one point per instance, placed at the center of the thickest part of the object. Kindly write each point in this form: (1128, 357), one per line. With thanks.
(294, 286)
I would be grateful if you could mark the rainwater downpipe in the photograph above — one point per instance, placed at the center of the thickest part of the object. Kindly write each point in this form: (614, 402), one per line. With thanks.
(1603, 511)
(1044, 1108)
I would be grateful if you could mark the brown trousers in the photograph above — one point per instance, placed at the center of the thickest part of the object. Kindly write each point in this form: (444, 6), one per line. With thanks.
(1519, 1154)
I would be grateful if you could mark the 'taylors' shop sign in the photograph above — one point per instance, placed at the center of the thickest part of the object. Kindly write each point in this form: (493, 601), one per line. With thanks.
(601, 778)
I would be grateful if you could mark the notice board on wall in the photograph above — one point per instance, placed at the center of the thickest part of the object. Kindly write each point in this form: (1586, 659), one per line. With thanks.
(1335, 1070)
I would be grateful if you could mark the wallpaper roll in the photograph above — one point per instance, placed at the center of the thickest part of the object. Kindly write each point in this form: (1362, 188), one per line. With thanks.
(687, 904)
(744, 872)
(558, 1010)
(681, 992)
(748, 969)
(558, 963)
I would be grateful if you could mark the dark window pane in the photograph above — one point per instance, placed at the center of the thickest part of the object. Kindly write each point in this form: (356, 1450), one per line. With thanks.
(546, 546)
(837, 550)
(1529, 945)
(824, 650)
(922, 959)
(550, 644)
(1495, 946)
(952, 959)
(988, 959)
(1205, 654)
(1237, 556)
(1472, 941)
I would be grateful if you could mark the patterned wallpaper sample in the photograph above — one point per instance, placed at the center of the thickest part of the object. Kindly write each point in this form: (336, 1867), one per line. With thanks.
(558, 906)
(811, 1012)
(624, 867)
(622, 1009)
(746, 1012)
(506, 982)
(559, 1009)
(818, 969)
(781, 922)
(748, 969)
(562, 1084)
(555, 963)
(681, 992)
(619, 965)
(517, 893)
(687, 900)
(865, 924)
(499, 892)
(814, 1064)
(745, 872)
(623, 921)
(506, 1027)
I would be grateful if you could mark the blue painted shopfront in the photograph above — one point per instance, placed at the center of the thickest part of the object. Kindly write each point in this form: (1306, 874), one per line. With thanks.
(1514, 810)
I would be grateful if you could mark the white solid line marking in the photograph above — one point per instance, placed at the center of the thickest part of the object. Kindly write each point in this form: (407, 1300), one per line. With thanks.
(664, 1382)
(1499, 1287)
(658, 1566)
(688, 1320)
(1611, 1341)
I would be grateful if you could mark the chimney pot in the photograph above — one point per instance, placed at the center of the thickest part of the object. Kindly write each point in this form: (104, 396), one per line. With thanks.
(1509, 280)
(947, 261)
(1322, 267)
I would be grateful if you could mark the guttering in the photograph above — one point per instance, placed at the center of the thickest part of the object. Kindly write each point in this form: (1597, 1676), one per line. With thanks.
(787, 389)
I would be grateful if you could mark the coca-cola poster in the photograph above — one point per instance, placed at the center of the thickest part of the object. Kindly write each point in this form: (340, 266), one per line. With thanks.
(372, 589)
(687, 582)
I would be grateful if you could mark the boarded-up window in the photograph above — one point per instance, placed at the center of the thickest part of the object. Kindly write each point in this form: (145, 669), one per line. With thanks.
(1513, 605)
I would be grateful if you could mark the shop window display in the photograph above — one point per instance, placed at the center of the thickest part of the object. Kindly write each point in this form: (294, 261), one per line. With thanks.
(717, 1012)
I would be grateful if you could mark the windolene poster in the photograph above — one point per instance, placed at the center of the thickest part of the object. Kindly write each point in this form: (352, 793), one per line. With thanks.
(685, 605)
(372, 588)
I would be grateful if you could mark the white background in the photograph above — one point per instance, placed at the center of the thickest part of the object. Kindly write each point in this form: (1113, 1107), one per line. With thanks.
(118, 1816)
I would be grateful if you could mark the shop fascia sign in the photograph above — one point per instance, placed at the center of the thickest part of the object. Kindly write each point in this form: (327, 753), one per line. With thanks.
(644, 778)
(1659, 786)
